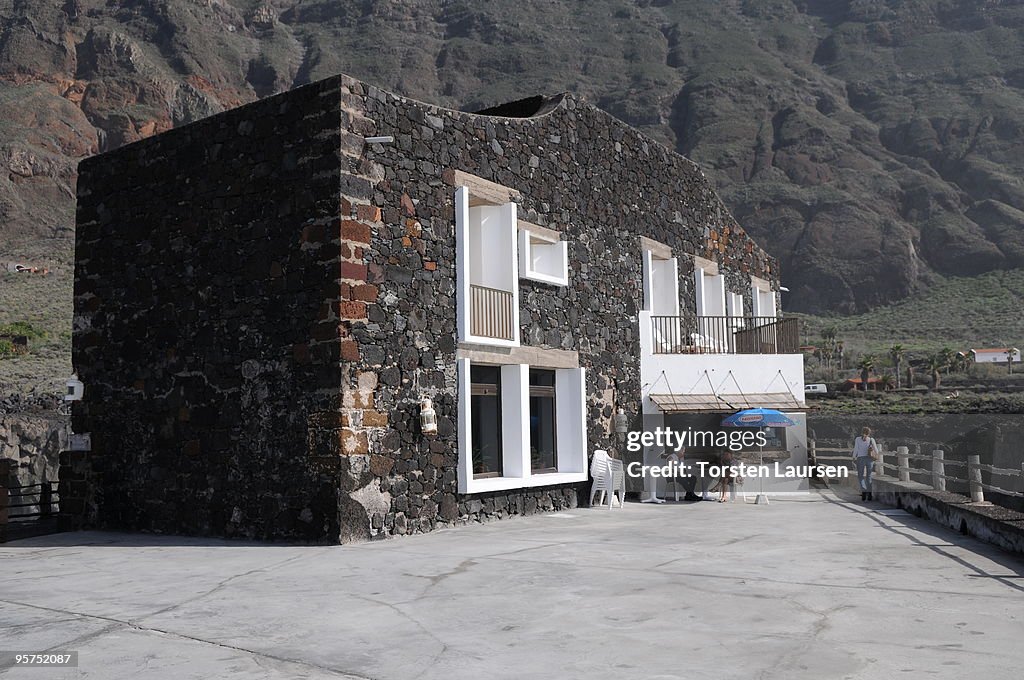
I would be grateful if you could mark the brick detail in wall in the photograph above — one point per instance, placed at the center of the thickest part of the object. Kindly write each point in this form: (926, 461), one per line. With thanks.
(359, 220)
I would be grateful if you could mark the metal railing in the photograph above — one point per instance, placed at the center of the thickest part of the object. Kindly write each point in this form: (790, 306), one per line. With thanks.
(725, 335)
(490, 313)
(32, 501)
(935, 470)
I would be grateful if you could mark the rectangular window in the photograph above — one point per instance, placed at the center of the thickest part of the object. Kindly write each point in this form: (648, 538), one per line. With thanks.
(486, 421)
(543, 447)
(488, 271)
(520, 427)
(775, 439)
(543, 256)
(763, 298)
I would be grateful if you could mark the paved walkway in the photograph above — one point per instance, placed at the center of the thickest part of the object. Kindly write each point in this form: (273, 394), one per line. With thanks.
(810, 588)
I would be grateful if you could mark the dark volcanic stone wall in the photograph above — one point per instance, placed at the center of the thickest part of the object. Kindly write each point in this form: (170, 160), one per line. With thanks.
(262, 300)
(580, 171)
(197, 299)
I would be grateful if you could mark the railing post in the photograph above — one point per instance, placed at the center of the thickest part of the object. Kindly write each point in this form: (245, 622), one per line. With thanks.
(880, 463)
(903, 461)
(974, 478)
(45, 499)
(938, 470)
(5, 499)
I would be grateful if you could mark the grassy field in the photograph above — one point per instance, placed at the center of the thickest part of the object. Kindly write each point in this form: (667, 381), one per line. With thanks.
(45, 303)
(917, 403)
(960, 313)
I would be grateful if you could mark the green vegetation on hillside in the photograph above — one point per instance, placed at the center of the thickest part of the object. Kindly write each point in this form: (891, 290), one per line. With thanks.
(39, 307)
(962, 313)
(874, 403)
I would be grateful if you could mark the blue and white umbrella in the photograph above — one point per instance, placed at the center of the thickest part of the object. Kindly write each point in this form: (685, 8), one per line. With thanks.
(759, 417)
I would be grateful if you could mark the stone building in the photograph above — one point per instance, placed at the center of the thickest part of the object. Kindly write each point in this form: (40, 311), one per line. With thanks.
(264, 298)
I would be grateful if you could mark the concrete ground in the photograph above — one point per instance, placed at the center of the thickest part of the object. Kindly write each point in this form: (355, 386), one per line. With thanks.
(810, 587)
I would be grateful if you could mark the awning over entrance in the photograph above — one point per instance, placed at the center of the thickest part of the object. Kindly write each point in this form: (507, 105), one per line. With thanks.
(725, 403)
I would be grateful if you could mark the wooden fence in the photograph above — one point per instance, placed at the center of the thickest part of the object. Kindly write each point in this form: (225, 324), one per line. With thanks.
(906, 463)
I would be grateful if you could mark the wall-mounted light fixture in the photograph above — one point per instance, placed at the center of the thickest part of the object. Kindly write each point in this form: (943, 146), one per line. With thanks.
(75, 389)
(428, 417)
(379, 140)
(620, 422)
(784, 289)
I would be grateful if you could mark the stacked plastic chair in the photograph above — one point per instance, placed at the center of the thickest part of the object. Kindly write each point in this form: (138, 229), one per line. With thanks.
(609, 478)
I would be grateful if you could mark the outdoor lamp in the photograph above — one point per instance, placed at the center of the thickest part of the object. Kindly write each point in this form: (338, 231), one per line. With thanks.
(428, 418)
(620, 422)
(75, 389)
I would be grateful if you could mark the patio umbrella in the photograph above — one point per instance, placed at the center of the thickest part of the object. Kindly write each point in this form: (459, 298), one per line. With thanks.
(759, 417)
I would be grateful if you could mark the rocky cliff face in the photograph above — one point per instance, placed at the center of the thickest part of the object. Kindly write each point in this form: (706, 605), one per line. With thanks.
(868, 144)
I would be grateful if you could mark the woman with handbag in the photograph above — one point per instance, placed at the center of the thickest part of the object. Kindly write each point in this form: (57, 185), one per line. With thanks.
(865, 452)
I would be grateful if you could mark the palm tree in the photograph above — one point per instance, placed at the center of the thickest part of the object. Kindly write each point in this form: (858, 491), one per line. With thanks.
(960, 363)
(867, 364)
(888, 381)
(947, 355)
(1011, 352)
(897, 352)
(824, 356)
(936, 364)
(827, 349)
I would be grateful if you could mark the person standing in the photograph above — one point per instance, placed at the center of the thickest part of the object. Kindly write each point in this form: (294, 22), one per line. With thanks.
(865, 451)
(727, 479)
(686, 473)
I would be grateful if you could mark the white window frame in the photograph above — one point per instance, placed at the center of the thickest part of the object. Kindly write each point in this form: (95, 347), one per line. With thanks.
(653, 274)
(734, 310)
(709, 287)
(734, 305)
(463, 226)
(570, 430)
(530, 243)
(759, 288)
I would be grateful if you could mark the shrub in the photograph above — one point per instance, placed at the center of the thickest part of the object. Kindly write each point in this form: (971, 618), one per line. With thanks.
(23, 328)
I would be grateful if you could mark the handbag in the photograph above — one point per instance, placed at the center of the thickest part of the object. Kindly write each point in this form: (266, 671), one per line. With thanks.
(872, 451)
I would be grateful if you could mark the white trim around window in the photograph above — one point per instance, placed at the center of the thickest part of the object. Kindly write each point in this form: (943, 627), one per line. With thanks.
(571, 430)
(660, 279)
(763, 298)
(487, 261)
(543, 257)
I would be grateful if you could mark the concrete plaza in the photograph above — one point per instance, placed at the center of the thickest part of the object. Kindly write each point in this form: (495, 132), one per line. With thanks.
(807, 587)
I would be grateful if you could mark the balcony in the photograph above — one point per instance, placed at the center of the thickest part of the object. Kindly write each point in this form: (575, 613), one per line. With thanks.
(491, 313)
(725, 335)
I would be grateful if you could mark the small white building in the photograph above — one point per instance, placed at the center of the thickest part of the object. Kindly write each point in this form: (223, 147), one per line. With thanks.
(997, 355)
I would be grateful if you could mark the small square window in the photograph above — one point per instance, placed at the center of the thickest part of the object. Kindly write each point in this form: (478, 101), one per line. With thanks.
(543, 257)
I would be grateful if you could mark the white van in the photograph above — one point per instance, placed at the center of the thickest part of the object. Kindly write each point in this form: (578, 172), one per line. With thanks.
(816, 388)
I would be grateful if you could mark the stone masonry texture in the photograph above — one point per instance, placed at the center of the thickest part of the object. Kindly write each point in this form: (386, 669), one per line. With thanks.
(262, 299)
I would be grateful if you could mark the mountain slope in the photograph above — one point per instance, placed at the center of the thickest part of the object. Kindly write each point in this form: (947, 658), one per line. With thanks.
(869, 144)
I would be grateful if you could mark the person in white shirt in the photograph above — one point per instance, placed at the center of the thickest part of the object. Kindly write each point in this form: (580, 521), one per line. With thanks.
(863, 449)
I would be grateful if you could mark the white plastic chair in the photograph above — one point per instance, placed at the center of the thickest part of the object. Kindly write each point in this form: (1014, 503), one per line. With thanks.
(618, 481)
(609, 478)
